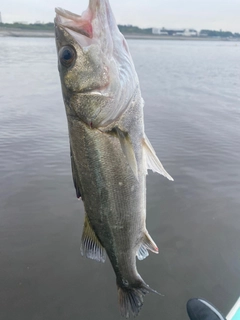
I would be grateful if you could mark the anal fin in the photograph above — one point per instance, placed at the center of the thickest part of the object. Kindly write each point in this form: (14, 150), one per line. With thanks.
(90, 246)
(147, 244)
(142, 252)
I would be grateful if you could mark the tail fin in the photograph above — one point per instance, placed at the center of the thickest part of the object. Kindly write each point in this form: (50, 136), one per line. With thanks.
(130, 298)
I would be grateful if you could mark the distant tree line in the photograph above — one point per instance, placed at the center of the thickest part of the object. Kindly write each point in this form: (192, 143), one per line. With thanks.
(126, 29)
(31, 26)
(222, 34)
(134, 29)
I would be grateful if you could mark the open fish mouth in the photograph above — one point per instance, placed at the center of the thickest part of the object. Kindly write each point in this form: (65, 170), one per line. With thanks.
(74, 22)
(95, 24)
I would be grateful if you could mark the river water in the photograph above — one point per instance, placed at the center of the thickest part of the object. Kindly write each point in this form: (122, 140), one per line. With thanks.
(192, 117)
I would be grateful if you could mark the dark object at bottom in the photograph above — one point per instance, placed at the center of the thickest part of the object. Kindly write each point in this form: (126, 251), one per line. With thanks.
(199, 309)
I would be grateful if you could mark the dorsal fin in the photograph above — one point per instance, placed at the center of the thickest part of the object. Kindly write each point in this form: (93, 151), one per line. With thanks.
(90, 245)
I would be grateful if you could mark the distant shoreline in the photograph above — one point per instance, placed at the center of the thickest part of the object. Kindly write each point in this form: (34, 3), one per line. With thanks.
(173, 38)
(13, 32)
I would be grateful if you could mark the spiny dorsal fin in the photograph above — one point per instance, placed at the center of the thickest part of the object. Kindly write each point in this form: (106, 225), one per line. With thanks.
(147, 244)
(153, 162)
(90, 245)
(127, 149)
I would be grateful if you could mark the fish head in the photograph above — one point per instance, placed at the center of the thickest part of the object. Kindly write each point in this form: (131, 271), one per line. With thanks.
(97, 73)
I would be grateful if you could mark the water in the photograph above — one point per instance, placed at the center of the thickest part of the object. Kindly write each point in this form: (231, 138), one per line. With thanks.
(192, 99)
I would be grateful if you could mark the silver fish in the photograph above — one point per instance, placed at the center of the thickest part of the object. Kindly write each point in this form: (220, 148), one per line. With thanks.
(110, 153)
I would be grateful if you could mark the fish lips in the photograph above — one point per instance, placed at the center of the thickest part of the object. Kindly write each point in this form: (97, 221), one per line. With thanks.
(74, 22)
(74, 25)
(97, 21)
(96, 24)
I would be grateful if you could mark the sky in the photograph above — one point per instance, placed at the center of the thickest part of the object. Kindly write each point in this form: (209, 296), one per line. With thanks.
(197, 14)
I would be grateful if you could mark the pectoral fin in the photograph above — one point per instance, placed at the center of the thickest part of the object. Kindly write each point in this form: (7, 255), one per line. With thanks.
(75, 175)
(128, 150)
(153, 162)
(90, 245)
(147, 244)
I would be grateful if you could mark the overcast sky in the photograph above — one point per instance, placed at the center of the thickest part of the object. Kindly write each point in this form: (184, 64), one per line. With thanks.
(198, 14)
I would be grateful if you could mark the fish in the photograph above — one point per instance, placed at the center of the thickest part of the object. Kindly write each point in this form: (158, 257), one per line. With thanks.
(109, 150)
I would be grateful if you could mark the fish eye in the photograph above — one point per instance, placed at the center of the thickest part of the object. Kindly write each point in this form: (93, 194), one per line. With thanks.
(67, 56)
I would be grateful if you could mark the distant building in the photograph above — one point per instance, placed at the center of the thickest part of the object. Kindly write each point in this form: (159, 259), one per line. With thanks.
(187, 33)
(0, 17)
(160, 31)
(175, 32)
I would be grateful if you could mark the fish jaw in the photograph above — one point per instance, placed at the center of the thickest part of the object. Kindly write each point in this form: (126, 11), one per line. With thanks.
(97, 22)
(103, 70)
(72, 21)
